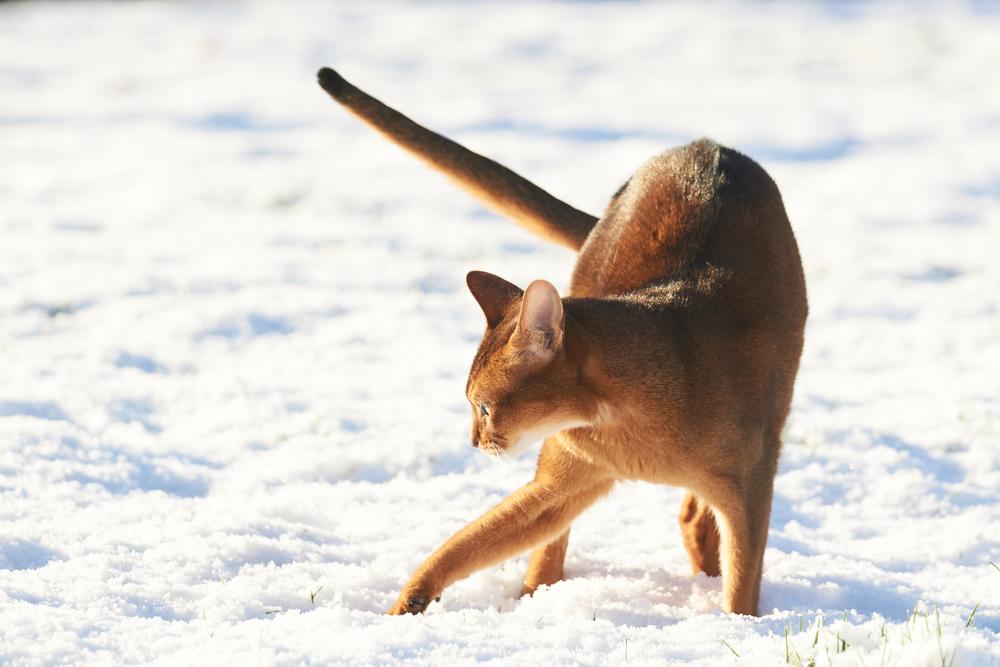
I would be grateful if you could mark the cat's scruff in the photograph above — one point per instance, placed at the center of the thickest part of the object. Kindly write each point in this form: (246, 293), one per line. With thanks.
(672, 358)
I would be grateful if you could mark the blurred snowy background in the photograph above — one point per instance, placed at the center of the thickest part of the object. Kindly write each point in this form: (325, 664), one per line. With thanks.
(234, 332)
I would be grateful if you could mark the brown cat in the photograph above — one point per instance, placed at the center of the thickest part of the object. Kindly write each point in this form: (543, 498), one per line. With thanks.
(672, 359)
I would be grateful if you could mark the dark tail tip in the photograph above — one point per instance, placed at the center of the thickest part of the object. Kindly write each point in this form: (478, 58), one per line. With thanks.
(331, 82)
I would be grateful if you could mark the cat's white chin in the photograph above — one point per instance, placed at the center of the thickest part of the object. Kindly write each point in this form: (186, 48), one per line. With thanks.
(537, 434)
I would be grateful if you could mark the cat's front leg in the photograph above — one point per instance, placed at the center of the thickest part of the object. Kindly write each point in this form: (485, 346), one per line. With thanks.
(538, 512)
(517, 523)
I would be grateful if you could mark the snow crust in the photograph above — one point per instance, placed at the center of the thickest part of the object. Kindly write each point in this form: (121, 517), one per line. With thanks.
(234, 332)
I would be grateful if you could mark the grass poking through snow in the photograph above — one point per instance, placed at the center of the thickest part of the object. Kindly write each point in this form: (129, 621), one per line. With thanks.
(925, 638)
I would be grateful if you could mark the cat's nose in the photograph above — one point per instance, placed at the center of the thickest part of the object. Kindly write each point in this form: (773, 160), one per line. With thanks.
(475, 443)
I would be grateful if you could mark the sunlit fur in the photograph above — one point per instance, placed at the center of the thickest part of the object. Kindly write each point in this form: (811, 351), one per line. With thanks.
(671, 360)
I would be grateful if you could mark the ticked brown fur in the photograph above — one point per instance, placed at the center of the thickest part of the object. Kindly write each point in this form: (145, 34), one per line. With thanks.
(671, 360)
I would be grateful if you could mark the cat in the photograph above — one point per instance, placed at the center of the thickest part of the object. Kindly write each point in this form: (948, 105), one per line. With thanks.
(671, 360)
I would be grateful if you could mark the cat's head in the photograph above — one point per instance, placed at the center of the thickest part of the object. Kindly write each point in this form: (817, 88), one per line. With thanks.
(523, 385)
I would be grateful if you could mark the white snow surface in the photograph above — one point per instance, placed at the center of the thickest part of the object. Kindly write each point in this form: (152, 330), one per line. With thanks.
(234, 330)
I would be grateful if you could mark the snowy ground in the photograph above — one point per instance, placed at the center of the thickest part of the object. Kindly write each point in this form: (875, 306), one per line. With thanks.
(234, 332)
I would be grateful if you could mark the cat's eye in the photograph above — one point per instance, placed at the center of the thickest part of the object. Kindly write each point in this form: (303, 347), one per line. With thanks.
(484, 410)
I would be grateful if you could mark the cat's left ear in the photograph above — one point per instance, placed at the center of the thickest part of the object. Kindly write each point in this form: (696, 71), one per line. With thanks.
(494, 294)
(541, 322)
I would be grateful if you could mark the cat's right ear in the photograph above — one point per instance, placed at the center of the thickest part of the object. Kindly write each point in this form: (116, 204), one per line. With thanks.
(494, 294)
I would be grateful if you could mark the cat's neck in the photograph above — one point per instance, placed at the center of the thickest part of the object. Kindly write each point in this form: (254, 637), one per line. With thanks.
(610, 343)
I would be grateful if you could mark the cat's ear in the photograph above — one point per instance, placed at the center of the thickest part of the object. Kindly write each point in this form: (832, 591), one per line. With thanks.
(540, 323)
(494, 294)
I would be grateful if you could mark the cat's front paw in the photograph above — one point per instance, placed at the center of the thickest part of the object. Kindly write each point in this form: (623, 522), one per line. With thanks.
(414, 600)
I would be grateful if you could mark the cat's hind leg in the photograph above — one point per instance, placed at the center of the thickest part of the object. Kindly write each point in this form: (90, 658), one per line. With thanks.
(700, 534)
(742, 509)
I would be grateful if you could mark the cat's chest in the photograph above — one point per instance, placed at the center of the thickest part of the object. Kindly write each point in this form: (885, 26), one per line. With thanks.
(626, 456)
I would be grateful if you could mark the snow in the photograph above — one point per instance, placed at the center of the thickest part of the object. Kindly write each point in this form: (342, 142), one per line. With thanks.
(234, 331)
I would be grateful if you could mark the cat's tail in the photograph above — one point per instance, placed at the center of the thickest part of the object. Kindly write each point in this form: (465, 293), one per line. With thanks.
(495, 185)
